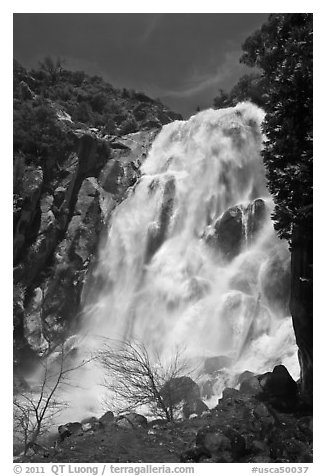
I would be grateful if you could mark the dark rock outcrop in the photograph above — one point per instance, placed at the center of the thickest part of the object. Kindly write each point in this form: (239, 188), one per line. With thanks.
(68, 177)
(107, 418)
(229, 232)
(131, 421)
(92, 424)
(192, 407)
(279, 389)
(65, 431)
(237, 226)
(245, 375)
(251, 386)
(179, 389)
(157, 234)
(278, 383)
(59, 220)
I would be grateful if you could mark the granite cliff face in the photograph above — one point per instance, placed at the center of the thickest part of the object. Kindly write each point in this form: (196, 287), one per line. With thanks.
(78, 146)
(60, 208)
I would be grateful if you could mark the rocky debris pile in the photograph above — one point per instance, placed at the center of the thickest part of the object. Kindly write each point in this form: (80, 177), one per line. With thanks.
(92, 424)
(246, 426)
(263, 421)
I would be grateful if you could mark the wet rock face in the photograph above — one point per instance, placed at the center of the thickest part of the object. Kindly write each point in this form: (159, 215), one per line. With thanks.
(65, 431)
(178, 389)
(59, 218)
(229, 232)
(194, 407)
(156, 236)
(236, 227)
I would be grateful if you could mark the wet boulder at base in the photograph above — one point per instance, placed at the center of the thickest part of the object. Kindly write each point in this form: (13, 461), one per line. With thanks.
(251, 386)
(179, 389)
(243, 428)
(69, 429)
(131, 421)
(279, 389)
(107, 418)
(92, 424)
(196, 407)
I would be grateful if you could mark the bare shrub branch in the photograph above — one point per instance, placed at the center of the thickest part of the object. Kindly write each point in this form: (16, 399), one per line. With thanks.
(34, 409)
(137, 378)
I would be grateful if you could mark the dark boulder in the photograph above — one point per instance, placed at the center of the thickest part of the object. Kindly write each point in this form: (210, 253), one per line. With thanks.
(194, 407)
(251, 386)
(92, 424)
(230, 395)
(178, 389)
(229, 232)
(279, 389)
(74, 428)
(237, 226)
(225, 443)
(107, 418)
(131, 421)
(278, 383)
(245, 375)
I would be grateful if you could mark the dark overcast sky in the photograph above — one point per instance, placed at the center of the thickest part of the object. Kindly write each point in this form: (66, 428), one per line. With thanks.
(182, 58)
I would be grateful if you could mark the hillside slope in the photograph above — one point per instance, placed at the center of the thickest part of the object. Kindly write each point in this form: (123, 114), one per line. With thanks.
(78, 146)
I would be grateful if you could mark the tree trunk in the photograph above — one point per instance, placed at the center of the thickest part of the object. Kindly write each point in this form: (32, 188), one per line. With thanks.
(301, 306)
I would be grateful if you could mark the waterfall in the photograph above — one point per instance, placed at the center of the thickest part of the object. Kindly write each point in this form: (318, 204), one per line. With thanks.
(191, 255)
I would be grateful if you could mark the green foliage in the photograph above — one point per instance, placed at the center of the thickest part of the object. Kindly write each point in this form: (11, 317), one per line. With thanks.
(250, 87)
(129, 126)
(52, 68)
(87, 99)
(282, 49)
(41, 139)
(37, 133)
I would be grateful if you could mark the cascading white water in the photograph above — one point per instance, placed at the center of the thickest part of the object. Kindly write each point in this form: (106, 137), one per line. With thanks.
(192, 259)
(165, 282)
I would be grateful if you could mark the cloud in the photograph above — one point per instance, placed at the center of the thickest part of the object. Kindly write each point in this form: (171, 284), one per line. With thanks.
(199, 83)
(151, 26)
